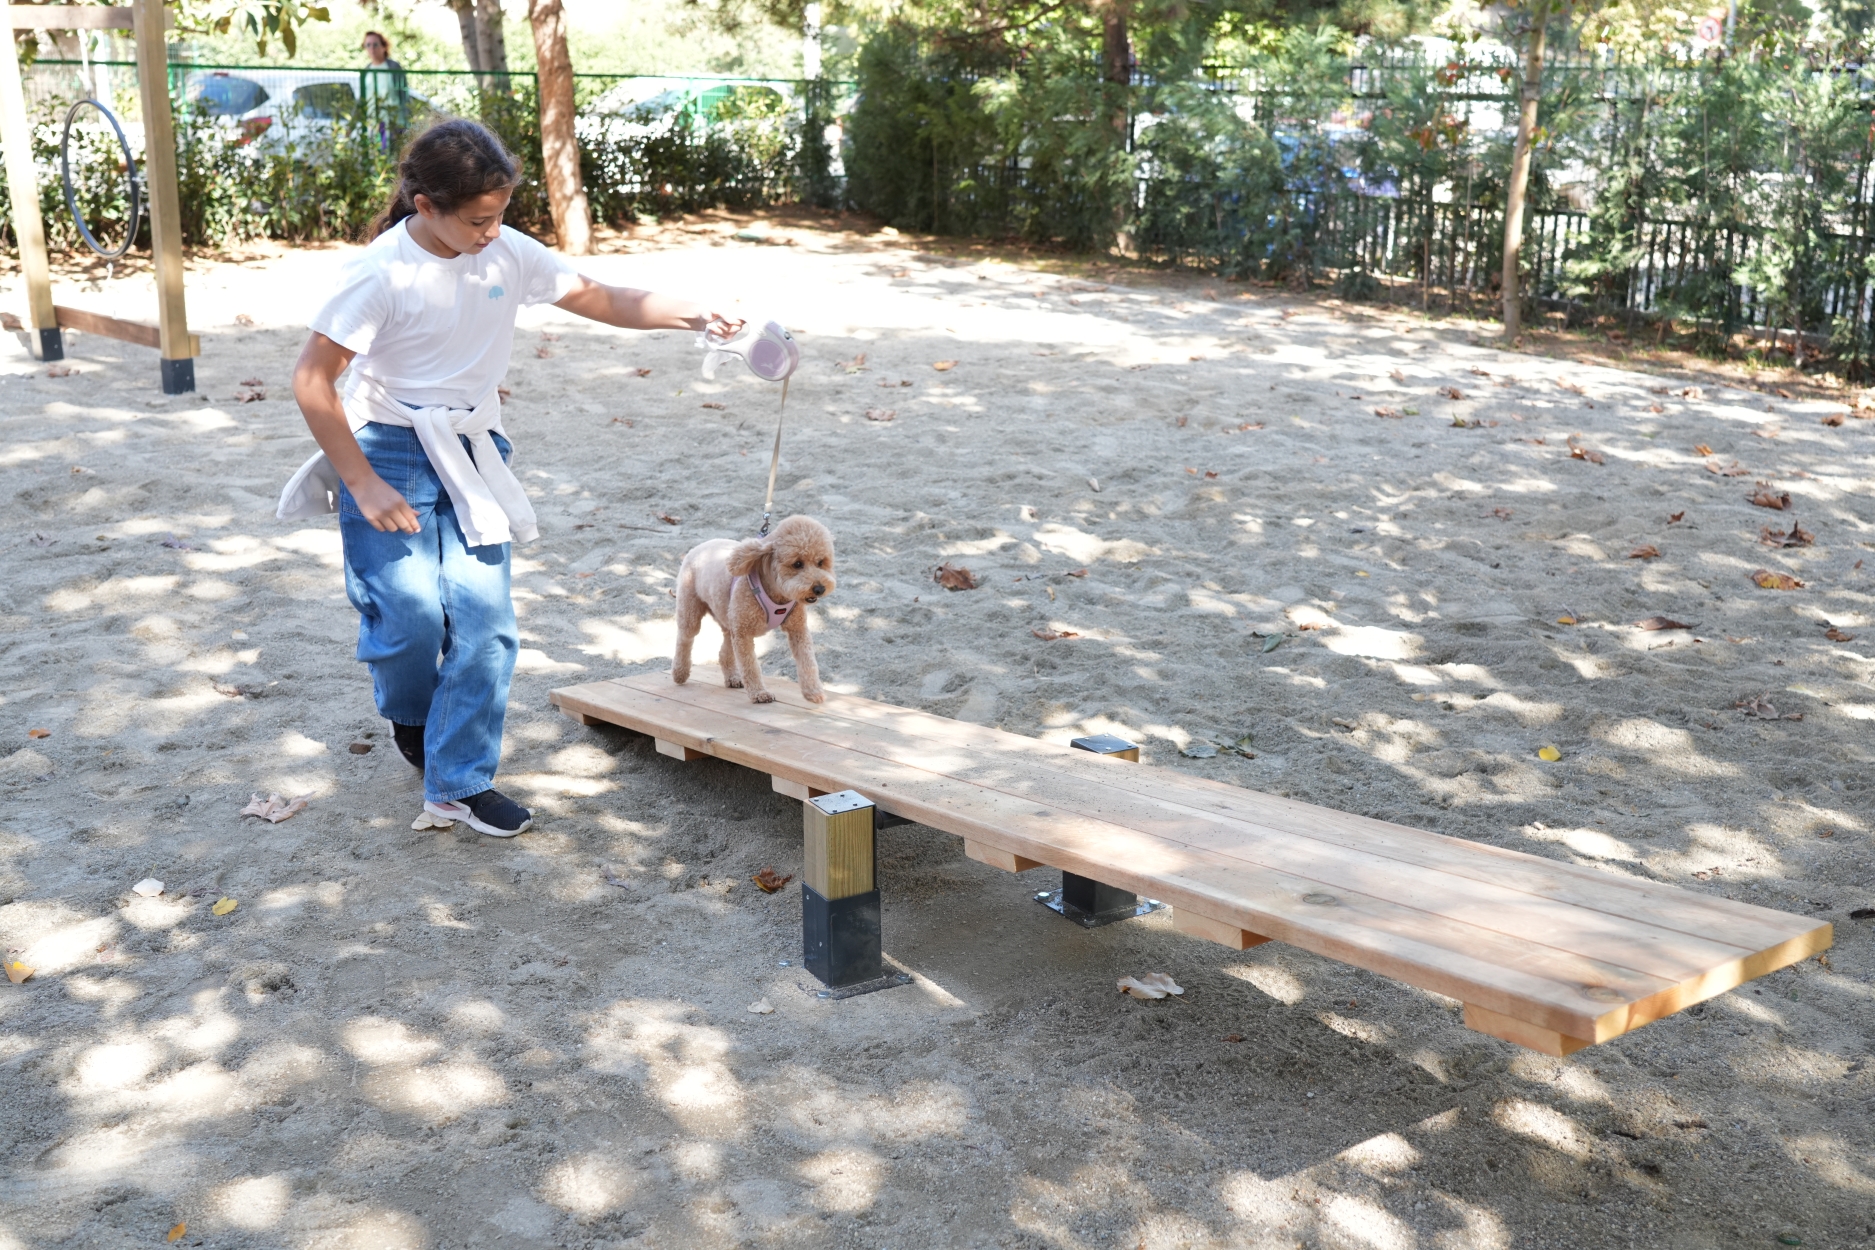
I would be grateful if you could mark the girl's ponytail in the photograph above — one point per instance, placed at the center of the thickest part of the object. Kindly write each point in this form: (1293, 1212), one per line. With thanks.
(451, 163)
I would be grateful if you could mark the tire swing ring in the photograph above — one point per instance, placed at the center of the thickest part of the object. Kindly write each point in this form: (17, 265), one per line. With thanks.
(71, 199)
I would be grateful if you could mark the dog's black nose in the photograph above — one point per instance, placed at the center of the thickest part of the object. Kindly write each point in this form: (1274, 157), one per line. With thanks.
(819, 589)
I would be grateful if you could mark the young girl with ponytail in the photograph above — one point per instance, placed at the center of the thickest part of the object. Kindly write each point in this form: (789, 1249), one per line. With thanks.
(414, 459)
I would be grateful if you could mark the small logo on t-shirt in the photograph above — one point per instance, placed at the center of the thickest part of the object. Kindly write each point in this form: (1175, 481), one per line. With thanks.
(495, 292)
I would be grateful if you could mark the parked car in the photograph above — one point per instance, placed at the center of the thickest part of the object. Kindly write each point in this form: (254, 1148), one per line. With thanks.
(270, 107)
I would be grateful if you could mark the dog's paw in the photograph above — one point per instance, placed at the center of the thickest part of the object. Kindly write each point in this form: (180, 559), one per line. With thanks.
(816, 695)
(733, 682)
(680, 678)
(761, 696)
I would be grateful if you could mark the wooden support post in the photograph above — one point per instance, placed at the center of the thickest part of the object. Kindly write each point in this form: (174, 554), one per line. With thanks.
(1085, 901)
(1522, 1032)
(794, 789)
(159, 182)
(1215, 930)
(840, 935)
(29, 228)
(996, 857)
(676, 750)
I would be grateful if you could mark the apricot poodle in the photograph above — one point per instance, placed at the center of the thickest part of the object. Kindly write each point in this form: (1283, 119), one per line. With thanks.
(751, 587)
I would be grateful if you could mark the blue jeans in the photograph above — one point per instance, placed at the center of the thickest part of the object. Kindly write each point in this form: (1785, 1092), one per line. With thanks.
(436, 622)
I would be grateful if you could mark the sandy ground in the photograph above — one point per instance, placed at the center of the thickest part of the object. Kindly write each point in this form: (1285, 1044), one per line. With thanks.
(430, 1039)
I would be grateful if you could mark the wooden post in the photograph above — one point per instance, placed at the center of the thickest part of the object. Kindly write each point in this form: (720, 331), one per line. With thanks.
(1520, 171)
(159, 185)
(23, 185)
(1085, 901)
(840, 935)
(559, 145)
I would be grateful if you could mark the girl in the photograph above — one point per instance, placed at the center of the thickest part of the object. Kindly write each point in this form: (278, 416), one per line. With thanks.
(414, 459)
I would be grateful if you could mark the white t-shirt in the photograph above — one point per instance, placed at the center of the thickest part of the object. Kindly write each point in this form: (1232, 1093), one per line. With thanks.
(437, 331)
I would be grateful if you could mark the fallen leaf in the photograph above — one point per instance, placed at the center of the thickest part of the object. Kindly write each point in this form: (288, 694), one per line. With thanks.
(1735, 470)
(426, 820)
(1661, 622)
(1702, 449)
(1836, 635)
(1760, 708)
(1795, 536)
(1233, 1037)
(1578, 451)
(1549, 754)
(1692, 392)
(716, 406)
(1676, 518)
(360, 748)
(1183, 422)
(17, 972)
(1646, 551)
(543, 351)
(643, 373)
(38, 733)
(1093, 484)
(149, 887)
(242, 319)
(944, 366)
(1833, 420)
(1050, 635)
(175, 1234)
(1565, 620)
(1502, 514)
(1078, 573)
(1389, 413)
(954, 577)
(249, 395)
(1781, 393)
(1397, 376)
(273, 808)
(627, 422)
(1655, 408)
(1481, 373)
(1210, 474)
(1571, 387)
(1451, 392)
(1776, 581)
(881, 414)
(1765, 499)
(59, 371)
(770, 880)
(1153, 985)
(1308, 625)
(762, 1007)
(895, 385)
(1271, 643)
(223, 906)
(668, 519)
(1763, 433)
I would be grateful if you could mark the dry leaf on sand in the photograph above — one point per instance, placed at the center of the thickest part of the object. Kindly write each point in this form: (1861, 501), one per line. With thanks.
(954, 577)
(273, 808)
(1833, 420)
(1836, 635)
(770, 880)
(1051, 635)
(1153, 985)
(1735, 470)
(149, 887)
(543, 351)
(854, 365)
(668, 519)
(17, 972)
(249, 395)
(1676, 518)
(1548, 755)
(881, 414)
(1077, 573)
(944, 366)
(1389, 413)
(1702, 449)
(1795, 536)
(1578, 451)
(1661, 622)
(761, 1007)
(1761, 708)
(1571, 387)
(176, 1233)
(1763, 433)
(38, 733)
(1451, 392)
(1776, 581)
(59, 371)
(1765, 499)
(643, 373)
(717, 407)
(224, 905)
(1646, 551)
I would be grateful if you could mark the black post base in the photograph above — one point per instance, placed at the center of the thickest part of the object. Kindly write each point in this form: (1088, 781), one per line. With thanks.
(840, 938)
(52, 344)
(178, 376)
(1090, 903)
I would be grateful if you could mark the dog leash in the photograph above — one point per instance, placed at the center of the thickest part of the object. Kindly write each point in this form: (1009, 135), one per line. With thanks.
(774, 463)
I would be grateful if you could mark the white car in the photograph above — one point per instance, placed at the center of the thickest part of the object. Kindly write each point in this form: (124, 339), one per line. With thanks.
(271, 107)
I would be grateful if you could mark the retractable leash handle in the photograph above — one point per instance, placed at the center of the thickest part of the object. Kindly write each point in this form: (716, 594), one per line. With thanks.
(771, 354)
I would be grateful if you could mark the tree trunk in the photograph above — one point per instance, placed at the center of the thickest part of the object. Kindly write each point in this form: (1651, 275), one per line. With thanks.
(1520, 171)
(559, 145)
(1117, 70)
(471, 42)
(494, 41)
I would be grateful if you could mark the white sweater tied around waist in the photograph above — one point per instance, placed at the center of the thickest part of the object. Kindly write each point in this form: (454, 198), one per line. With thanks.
(490, 505)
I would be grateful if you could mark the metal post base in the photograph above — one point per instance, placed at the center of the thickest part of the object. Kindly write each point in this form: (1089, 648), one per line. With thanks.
(52, 344)
(890, 981)
(178, 376)
(840, 940)
(1090, 903)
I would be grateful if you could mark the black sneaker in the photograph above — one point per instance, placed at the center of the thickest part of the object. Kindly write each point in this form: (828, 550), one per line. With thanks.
(409, 740)
(490, 812)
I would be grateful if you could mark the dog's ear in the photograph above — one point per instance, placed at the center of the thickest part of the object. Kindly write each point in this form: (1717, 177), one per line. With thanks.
(747, 555)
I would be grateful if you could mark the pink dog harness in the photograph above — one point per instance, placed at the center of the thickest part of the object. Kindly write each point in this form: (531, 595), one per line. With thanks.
(776, 613)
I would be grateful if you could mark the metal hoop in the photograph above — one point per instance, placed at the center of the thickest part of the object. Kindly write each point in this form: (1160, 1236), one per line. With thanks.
(71, 200)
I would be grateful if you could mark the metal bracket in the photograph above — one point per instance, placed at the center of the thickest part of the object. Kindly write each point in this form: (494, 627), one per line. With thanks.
(1091, 904)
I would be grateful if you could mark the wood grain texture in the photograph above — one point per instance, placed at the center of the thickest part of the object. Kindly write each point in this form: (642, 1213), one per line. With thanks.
(837, 854)
(1222, 932)
(1564, 950)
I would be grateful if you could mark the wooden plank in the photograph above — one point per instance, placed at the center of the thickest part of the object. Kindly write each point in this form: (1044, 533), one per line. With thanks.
(1193, 857)
(139, 332)
(677, 750)
(29, 228)
(159, 179)
(75, 17)
(1548, 1041)
(998, 858)
(796, 789)
(1222, 932)
(1626, 940)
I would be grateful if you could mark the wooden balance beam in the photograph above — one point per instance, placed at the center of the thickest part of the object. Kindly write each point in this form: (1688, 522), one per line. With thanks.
(1549, 955)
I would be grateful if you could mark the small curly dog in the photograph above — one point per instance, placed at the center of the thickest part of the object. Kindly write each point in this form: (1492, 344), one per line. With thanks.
(751, 587)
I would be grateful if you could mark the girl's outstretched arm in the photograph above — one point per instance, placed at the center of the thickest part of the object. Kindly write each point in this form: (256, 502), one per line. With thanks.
(315, 386)
(632, 309)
